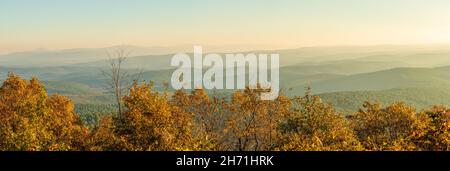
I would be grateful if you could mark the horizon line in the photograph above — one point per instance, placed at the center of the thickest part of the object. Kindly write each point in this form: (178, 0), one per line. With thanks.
(43, 49)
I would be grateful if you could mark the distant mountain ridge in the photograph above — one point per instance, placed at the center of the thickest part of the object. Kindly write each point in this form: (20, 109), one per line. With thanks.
(411, 54)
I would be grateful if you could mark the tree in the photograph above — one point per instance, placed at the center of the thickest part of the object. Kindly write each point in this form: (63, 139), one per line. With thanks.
(386, 128)
(119, 79)
(102, 137)
(434, 133)
(33, 121)
(251, 123)
(207, 116)
(151, 123)
(315, 125)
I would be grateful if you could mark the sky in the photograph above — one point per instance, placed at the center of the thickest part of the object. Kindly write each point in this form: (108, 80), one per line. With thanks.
(61, 24)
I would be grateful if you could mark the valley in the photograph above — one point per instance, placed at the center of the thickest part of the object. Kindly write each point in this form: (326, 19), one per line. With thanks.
(343, 76)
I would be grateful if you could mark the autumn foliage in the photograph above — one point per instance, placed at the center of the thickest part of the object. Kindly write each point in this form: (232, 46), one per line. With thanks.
(31, 120)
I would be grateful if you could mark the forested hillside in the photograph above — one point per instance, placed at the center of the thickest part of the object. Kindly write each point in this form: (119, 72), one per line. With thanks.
(421, 98)
(33, 120)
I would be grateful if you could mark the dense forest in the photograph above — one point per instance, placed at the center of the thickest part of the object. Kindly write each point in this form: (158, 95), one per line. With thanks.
(33, 120)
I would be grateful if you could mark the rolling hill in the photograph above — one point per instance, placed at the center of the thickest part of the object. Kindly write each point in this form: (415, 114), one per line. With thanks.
(382, 80)
(420, 97)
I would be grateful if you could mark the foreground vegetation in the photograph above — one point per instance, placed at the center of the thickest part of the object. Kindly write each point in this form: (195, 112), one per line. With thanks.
(32, 120)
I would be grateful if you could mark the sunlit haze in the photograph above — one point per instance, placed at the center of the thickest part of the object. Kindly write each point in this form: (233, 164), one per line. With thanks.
(50, 24)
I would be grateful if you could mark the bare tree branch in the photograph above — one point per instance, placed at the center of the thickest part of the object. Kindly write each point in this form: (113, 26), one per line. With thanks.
(117, 76)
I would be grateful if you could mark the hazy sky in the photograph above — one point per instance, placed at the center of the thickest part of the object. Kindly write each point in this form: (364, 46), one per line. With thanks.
(57, 24)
